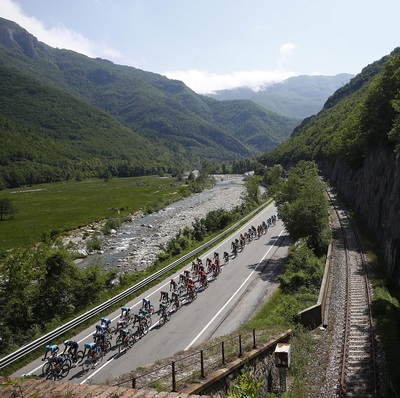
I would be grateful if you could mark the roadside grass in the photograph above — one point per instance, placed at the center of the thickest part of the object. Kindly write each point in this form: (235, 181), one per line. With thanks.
(126, 282)
(50, 209)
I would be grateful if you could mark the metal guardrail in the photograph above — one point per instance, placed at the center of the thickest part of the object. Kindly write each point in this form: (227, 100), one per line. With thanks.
(21, 352)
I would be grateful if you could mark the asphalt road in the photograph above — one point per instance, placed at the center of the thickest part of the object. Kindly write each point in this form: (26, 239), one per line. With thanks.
(244, 284)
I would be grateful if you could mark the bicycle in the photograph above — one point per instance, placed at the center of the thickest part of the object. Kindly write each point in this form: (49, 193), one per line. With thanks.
(147, 316)
(89, 361)
(141, 330)
(72, 359)
(125, 340)
(191, 294)
(176, 302)
(164, 317)
(105, 346)
(147, 306)
(57, 371)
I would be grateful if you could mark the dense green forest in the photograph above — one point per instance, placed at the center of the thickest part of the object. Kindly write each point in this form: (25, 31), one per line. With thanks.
(359, 116)
(64, 115)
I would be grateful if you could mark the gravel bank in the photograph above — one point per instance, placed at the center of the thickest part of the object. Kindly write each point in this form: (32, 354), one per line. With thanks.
(136, 244)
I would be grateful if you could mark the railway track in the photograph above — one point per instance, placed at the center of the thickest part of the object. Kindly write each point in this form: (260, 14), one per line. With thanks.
(358, 372)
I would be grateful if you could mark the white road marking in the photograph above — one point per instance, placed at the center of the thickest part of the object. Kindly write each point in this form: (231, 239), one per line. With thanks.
(231, 298)
(163, 286)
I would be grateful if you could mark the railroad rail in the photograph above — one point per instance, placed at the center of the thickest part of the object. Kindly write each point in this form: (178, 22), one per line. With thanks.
(358, 374)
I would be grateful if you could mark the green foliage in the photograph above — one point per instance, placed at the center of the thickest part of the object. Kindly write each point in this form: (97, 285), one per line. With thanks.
(253, 189)
(50, 209)
(93, 244)
(111, 223)
(44, 286)
(303, 271)
(66, 116)
(244, 387)
(355, 119)
(7, 208)
(303, 206)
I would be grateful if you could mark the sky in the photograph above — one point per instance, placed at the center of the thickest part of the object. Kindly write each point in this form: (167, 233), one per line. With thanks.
(218, 44)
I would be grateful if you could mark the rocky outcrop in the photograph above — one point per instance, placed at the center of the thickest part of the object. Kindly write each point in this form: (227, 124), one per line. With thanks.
(374, 192)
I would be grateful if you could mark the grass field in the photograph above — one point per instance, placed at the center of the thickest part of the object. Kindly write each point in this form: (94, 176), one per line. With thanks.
(47, 208)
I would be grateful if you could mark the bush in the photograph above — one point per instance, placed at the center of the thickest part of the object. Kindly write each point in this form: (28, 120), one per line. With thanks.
(112, 223)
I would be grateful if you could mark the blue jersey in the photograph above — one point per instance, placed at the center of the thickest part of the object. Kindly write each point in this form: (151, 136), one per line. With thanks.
(52, 348)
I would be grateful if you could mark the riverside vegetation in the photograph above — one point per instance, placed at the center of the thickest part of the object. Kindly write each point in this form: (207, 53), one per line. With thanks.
(62, 290)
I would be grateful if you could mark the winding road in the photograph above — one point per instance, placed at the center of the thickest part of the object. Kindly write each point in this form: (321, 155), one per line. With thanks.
(244, 284)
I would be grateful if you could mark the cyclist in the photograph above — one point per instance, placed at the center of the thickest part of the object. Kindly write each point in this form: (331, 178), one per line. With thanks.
(92, 351)
(216, 255)
(101, 329)
(226, 257)
(164, 296)
(122, 324)
(105, 321)
(173, 285)
(125, 312)
(203, 279)
(175, 297)
(146, 304)
(71, 348)
(141, 321)
(52, 350)
(124, 333)
(100, 339)
(182, 279)
(163, 308)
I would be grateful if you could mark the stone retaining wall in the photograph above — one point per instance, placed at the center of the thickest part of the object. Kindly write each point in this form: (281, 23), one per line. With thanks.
(259, 362)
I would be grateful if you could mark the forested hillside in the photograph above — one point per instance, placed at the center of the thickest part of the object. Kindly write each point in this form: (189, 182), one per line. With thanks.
(90, 115)
(356, 142)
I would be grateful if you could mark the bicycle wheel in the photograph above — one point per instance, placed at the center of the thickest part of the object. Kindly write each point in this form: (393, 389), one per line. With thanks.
(149, 321)
(87, 363)
(78, 357)
(122, 347)
(161, 321)
(168, 316)
(107, 346)
(52, 375)
(46, 368)
(66, 359)
(64, 370)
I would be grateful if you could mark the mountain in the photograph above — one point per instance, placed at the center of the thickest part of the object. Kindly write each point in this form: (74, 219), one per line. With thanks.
(355, 140)
(297, 97)
(94, 114)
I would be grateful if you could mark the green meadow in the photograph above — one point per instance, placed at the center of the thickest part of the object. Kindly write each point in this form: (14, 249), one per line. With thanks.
(48, 209)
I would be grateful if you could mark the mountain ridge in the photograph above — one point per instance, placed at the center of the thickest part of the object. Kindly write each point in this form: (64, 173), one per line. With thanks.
(299, 96)
(182, 128)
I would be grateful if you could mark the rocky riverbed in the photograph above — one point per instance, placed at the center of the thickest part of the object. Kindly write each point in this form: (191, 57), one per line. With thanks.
(137, 242)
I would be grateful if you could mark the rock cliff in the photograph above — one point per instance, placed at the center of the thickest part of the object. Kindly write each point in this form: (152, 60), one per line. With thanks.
(374, 192)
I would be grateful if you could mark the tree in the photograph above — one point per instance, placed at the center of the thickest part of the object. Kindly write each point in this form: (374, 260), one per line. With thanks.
(7, 208)
(303, 206)
(253, 188)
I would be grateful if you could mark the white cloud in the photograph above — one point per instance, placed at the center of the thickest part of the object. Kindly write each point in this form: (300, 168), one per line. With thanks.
(204, 82)
(55, 36)
(285, 51)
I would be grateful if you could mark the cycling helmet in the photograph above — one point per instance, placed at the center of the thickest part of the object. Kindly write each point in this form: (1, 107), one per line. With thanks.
(66, 342)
